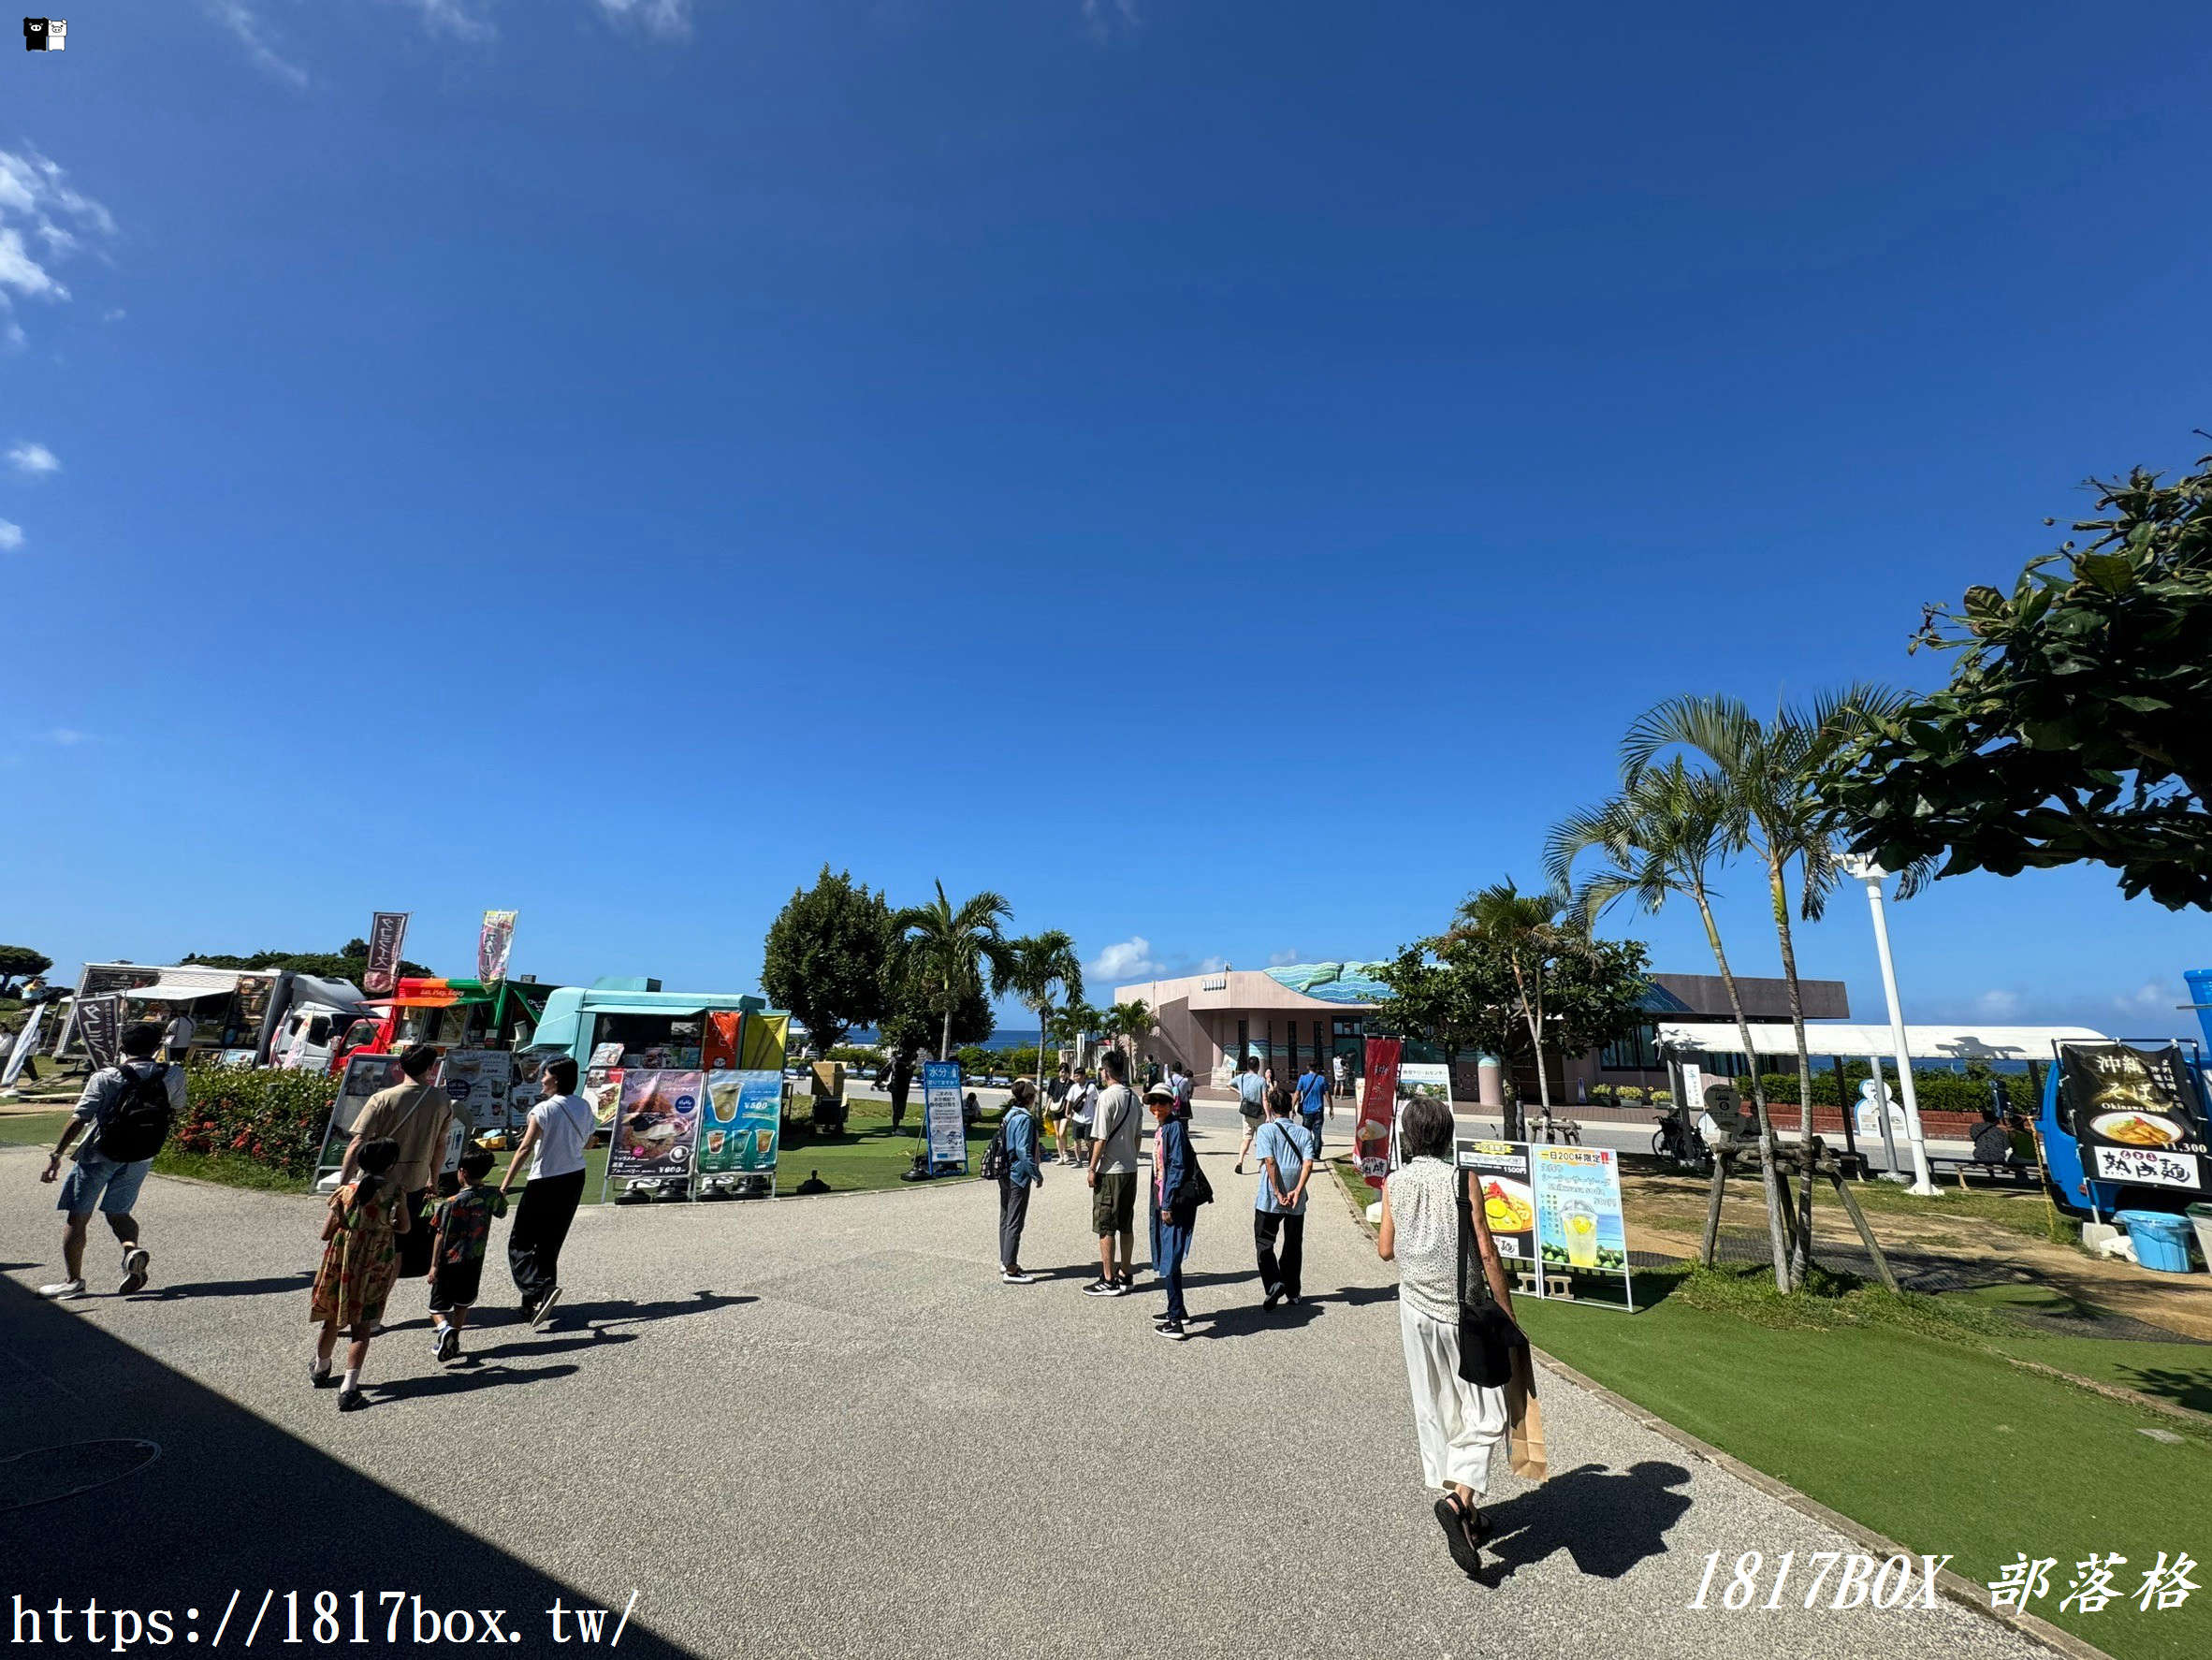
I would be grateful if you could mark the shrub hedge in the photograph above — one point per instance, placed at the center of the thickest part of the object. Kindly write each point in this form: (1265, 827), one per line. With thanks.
(275, 1119)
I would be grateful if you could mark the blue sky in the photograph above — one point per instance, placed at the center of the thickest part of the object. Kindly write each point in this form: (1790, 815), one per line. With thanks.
(1223, 475)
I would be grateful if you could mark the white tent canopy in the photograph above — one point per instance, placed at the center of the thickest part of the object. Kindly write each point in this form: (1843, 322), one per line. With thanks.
(181, 986)
(1925, 1043)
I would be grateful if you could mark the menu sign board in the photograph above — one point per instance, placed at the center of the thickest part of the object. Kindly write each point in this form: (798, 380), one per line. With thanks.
(2136, 1116)
(1508, 1196)
(1554, 1211)
(478, 1081)
(657, 1129)
(743, 1113)
(364, 1075)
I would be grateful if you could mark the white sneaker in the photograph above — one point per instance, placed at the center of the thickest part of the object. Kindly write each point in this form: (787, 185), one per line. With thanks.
(1016, 1279)
(69, 1290)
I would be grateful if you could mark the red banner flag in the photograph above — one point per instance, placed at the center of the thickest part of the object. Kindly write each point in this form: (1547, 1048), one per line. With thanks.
(1379, 1110)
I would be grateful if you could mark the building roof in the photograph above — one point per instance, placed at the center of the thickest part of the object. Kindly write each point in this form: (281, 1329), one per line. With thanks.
(1949, 1042)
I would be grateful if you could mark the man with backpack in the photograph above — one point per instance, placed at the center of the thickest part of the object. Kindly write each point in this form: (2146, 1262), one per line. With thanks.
(124, 1115)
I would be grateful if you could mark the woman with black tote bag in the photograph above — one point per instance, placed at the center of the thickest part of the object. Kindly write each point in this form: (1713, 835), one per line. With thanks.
(1459, 1354)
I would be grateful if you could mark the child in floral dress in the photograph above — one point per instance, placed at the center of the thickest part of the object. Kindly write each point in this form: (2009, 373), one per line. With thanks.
(360, 1262)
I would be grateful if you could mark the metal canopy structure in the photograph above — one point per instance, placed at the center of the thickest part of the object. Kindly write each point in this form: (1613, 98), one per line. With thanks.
(1853, 1042)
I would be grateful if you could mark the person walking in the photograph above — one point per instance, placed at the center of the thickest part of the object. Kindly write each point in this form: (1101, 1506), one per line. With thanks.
(459, 1237)
(1457, 1422)
(560, 1123)
(1251, 1105)
(1184, 1086)
(1082, 1105)
(1312, 1101)
(361, 1263)
(414, 1113)
(1278, 1207)
(1019, 1127)
(1179, 1187)
(1056, 1109)
(1113, 1184)
(1340, 1071)
(123, 1116)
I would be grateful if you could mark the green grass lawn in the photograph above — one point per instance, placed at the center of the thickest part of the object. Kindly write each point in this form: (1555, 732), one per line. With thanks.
(1892, 1411)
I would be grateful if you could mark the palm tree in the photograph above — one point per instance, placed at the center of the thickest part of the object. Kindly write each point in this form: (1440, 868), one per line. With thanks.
(1037, 967)
(949, 948)
(1661, 838)
(1131, 1020)
(1076, 1021)
(1529, 929)
(1769, 775)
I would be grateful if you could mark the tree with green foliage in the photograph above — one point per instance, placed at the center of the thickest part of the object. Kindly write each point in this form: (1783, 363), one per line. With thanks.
(1075, 1021)
(1126, 1025)
(1663, 837)
(348, 965)
(946, 952)
(1769, 776)
(824, 957)
(1533, 933)
(915, 1024)
(19, 962)
(2077, 724)
(1040, 968)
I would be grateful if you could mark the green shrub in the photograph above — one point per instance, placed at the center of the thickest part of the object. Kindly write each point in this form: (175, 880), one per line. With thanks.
(1937, 1092)
(275, 1119)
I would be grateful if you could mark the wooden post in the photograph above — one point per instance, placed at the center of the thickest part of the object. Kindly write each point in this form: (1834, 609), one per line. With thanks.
(1712, 1204)
(1843, 1100)
(1866, 1234)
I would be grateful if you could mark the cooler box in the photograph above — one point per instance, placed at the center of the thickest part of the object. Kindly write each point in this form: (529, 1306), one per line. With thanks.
(2160, 1239)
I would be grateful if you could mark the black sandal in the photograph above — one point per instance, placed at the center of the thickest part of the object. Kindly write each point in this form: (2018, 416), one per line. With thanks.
(1459, 1533)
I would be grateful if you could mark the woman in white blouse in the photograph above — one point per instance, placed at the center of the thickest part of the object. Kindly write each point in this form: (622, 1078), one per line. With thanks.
(1457, 1422)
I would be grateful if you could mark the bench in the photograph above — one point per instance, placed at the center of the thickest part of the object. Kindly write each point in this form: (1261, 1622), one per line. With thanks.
(1556, 1285)
(1949, 1164)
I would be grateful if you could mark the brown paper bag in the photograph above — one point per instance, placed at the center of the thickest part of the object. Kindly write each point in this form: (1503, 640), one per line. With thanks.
(1525, 1449)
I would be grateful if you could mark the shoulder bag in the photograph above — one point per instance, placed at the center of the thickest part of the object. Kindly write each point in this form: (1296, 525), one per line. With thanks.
(1489, 1338)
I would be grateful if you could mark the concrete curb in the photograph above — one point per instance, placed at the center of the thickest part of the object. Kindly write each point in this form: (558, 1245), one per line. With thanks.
(1963, 1592)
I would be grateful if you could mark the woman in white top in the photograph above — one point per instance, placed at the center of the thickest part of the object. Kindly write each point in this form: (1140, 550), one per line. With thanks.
(1457, 1422)
(559, 1126)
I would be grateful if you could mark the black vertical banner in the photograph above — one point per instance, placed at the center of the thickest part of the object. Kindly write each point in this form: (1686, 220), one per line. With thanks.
(99, 1024)
(387, 932)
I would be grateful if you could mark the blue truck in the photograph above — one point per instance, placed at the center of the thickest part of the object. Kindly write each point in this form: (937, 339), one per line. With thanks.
(2128, 1127)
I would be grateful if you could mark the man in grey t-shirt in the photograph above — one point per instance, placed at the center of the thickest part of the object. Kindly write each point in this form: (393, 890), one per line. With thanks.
(1113, 1177)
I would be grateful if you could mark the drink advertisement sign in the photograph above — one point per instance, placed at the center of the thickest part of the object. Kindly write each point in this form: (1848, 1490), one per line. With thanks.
(739, 1128)
(1378, 1111)
(1578, 1221)
(940, 1111)
(657, 1128)
(1508, 1195)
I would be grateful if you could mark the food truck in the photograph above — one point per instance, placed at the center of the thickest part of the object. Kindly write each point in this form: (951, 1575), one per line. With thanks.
(640, 1025)
(450, 1015)
(2128, 1127)
(237, 1014)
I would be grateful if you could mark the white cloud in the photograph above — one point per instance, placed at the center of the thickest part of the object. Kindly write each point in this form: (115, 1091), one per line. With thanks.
(664, 20)
(1212, 965)
(115, 316)
(238, 17)
(34, 459)
(1283, 959)
(68, 736)
(1132, 959)
(11, 536)
(1100, 18)
(456, 18)
(35, 199)
(1998, 1005)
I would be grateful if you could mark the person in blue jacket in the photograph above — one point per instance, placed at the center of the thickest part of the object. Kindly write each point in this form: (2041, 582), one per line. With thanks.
(1174, 1204)
(1021, 1175)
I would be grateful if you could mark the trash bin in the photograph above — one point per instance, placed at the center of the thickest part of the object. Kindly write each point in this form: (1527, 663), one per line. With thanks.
(2160, 1239)
(2200, 1218)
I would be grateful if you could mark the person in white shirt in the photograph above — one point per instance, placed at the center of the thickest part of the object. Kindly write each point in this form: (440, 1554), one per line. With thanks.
(178, 1035)
(559, 1126)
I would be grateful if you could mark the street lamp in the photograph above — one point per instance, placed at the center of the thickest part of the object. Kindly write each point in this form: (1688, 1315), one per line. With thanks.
(1864, 869)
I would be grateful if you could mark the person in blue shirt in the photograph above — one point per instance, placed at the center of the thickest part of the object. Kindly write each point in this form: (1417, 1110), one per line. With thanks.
(1174, 1204)
(1286, 1165)
(1312, 1101)
(1021, 1175)
(1251, 1104)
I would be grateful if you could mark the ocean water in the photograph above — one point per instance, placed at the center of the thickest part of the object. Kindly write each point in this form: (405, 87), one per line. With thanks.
(1006, 1036)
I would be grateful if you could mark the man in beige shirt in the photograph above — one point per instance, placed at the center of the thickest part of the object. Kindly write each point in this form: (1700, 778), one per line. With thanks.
(414, 1115)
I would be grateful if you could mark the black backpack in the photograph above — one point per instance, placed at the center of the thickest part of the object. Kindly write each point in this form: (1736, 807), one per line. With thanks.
(997, 1159)
(138, 1122)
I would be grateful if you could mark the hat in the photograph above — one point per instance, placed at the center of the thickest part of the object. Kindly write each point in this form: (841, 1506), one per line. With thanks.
(1159, 1092)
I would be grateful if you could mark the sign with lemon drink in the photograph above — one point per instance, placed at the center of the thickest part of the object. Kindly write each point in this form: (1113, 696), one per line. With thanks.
(1551, 1210)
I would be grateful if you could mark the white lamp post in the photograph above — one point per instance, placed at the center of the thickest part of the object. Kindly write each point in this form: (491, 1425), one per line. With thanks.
(1866, 870)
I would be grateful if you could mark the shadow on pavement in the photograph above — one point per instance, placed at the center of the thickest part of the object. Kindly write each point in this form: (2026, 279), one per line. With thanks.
(460, 1378)
(300, 1281)
(599, 1316)
(1609, 1524)
(231, 1503)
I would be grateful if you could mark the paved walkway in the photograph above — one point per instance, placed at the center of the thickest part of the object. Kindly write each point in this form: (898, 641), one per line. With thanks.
(824, 1427)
